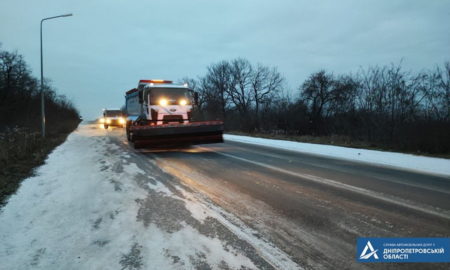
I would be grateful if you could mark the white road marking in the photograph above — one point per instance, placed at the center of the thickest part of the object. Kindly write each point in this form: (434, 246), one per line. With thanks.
(336, 184)
(357, 162)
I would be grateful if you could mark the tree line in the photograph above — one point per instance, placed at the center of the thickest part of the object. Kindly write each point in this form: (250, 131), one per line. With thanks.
(381, 107)
(20, 99)
(21, 145)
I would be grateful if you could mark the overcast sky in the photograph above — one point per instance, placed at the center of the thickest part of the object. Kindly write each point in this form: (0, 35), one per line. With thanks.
(107, 46)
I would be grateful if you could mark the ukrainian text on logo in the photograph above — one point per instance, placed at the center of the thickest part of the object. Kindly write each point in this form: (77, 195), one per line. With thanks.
(403, 250)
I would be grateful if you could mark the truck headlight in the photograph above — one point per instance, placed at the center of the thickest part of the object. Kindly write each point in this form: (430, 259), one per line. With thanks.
(163, 102)
(102, 120)
(183, 102)
(108, 121)
(121, 120)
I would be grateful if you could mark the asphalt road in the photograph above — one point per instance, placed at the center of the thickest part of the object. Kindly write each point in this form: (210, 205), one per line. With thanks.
(313, 208)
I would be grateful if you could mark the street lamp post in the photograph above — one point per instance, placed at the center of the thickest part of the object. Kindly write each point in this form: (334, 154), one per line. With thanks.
(42, 75)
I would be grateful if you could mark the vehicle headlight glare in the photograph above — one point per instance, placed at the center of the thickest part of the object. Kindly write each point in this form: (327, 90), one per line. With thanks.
(163, 102)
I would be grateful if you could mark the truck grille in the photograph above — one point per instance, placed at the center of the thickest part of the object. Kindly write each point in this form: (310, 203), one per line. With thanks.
(172, 118)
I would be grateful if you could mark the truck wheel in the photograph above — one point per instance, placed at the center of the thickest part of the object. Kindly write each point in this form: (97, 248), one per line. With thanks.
(105, 126)
(137, 145)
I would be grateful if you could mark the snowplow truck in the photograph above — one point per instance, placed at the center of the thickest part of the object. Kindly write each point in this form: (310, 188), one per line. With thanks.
(159, 114)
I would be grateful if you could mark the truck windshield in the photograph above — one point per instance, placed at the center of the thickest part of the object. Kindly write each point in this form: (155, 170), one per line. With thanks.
(172, 95)
(113, 113)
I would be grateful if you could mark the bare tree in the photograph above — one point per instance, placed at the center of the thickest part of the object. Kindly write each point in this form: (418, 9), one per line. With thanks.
(217, 84)
(19, 100)
(444, 86)
(265, 84)
(13, 70)
(239, 92)
(344, 93)
(317, 92)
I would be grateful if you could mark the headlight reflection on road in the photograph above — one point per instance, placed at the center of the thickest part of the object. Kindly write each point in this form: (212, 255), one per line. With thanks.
(195, 150)
(204, 149)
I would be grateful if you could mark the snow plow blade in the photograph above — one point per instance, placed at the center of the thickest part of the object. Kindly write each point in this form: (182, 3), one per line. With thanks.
(177, 134)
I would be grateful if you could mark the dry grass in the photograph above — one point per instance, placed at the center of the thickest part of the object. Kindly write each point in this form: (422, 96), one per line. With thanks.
(20, 152)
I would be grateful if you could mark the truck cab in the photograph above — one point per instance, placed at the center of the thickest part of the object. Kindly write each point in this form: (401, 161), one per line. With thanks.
(159, 113)
(167, 102)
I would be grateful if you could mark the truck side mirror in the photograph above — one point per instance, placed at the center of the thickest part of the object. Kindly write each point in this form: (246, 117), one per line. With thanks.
(196, 98)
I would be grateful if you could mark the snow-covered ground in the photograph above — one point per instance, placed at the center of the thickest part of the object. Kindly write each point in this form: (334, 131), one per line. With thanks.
(431, 165)
(96, 205)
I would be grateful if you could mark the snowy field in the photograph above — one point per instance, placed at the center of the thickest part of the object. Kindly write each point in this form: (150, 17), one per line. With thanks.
(96, 205)
(439, 166)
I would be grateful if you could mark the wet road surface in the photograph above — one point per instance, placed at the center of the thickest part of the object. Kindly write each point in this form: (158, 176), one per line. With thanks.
(312, 207)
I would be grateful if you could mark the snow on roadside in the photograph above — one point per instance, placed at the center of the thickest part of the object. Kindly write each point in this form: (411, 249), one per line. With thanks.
(431, 165)
(277, 258)
(91, 207)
